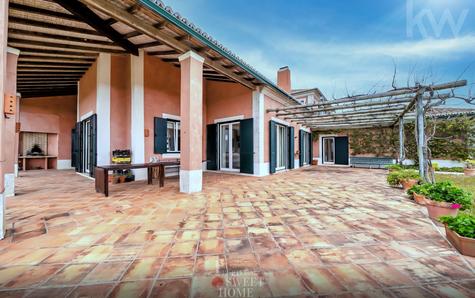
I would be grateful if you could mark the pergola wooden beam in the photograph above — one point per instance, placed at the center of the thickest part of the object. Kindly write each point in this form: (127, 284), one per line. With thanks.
(380, 95)
(387, 103)
(384, 110)
(345, 120)
(89, 17)
(349, 126)
(402, 151)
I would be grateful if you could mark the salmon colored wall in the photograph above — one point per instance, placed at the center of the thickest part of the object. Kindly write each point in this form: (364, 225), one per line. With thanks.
(88, 91)
(225, 99)
(161, 95)
(120, 102)
(10, 121)
(270, 103)
(222, 100)
(55, 114)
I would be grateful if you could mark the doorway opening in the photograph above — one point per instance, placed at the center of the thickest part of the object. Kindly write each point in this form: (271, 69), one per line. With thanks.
(230, 146)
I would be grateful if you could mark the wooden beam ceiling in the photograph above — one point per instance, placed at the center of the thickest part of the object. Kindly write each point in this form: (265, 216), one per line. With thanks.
(150, 30)
(89, 17)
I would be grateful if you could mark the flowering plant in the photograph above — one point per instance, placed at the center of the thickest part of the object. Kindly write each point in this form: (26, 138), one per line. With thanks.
(446, 191)
(455, 206)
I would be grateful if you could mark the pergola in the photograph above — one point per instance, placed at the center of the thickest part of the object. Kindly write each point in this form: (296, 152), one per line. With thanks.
(377, 110)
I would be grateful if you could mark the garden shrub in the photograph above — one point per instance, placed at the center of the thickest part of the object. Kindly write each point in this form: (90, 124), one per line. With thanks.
(446, 191)
(421, 189)
(395, 178)
(463, 224)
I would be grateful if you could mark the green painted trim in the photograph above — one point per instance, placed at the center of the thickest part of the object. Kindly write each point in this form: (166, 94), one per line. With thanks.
(172, 19)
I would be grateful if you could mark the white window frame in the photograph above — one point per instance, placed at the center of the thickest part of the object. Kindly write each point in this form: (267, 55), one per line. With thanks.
(230, 167)
(305, 148)
(176, 135)
(281, 142)
(324, 150)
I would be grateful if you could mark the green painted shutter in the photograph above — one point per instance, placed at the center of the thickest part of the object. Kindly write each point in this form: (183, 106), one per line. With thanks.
(272, 147)
(76, 147)
(310, 150)
(159, 135)
(246, 133)
(341, 150)
(93, 146)
(301, 136)
(291, 147)
(212, 147)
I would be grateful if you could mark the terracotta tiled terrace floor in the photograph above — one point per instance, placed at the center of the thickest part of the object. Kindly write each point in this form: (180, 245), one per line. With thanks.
(315, 231)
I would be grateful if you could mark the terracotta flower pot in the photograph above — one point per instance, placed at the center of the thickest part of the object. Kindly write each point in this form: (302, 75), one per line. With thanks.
(464, 245)
(438, 209)
(121, 179)
(420, 199)
(314, 162)
(408, 183)
(469, 172)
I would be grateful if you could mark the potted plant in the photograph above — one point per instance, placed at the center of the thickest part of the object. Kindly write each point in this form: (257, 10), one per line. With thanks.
(394, 168)
(406, 178)
(419, 192)
(469, 167)
(444, 198)
(460, 231)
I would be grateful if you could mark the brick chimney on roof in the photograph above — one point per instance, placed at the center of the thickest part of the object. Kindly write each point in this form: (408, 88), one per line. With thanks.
(283, 79)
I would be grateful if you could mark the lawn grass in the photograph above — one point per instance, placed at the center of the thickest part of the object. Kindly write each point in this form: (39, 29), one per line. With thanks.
(465, 182)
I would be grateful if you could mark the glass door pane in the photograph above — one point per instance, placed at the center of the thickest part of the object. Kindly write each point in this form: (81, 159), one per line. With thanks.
(224, 146)
(305, 148)
(329, 150)
(86, 144)
(236, 146)
(281, 147)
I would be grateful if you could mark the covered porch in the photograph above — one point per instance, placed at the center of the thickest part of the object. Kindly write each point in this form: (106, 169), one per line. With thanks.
(311, 231)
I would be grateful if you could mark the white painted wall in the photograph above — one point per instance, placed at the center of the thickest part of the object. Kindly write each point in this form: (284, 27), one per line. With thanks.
(137, 114)
(64, 164)
(443, 163)
(260, 167)
(103, 102)
(9, 184)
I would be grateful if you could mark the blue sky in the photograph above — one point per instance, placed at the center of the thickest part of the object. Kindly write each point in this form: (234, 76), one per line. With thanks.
(345, 47)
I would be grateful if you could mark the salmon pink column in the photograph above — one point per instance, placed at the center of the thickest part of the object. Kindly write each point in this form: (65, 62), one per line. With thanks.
(3, 78)
(10, 155)
(191, 110)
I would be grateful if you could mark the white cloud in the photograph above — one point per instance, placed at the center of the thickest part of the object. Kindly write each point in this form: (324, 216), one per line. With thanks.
(341, 67)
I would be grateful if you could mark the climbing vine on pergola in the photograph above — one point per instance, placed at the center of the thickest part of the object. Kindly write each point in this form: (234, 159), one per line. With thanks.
(378, 110)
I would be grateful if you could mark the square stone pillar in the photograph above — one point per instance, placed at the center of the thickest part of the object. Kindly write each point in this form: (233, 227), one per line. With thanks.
(3, 79)
(10, 134)
(191, 112)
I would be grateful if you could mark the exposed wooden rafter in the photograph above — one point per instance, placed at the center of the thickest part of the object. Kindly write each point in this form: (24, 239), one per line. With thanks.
(89, 17)
(150, 30)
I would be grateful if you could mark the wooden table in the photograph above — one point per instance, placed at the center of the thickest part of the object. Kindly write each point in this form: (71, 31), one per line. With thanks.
(102, 173)
(24, 158)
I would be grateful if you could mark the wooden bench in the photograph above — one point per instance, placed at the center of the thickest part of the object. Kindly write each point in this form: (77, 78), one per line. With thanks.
(102, 173)
(371, 162)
